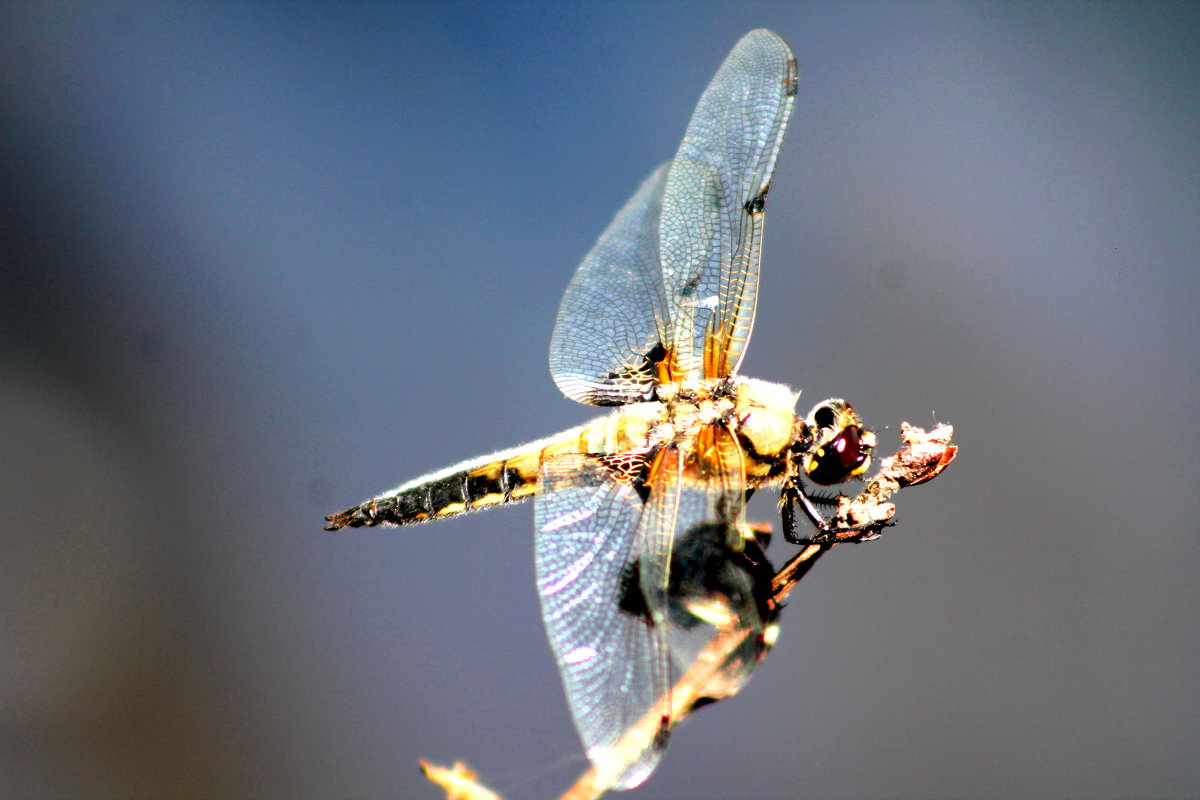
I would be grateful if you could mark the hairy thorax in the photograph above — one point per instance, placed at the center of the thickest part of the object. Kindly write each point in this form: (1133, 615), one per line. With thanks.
(707, 419)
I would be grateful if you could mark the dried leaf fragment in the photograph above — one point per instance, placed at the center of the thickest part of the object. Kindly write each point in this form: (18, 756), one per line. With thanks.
(927, 453)
(923, 456)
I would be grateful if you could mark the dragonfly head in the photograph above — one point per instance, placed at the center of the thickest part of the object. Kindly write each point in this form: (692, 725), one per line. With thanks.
(840, 447)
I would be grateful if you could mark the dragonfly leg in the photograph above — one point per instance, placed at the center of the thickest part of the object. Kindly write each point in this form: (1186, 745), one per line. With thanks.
(827, 532)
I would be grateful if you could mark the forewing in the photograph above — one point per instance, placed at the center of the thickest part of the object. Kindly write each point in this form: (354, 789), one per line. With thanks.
(612, 657)
(712, 209)
(611, 325)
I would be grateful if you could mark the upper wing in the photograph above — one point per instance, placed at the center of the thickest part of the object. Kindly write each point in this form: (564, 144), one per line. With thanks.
(611, 323)
(712, 212)
(668, 291)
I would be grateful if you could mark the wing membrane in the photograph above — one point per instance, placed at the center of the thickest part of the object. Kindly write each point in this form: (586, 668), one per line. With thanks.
(668, 291)
(611, 654)
(638, 573)
(635, 582)
(711, 225)
(612, 323)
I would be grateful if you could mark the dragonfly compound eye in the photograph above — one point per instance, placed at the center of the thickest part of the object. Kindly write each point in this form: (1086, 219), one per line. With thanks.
(842, 447)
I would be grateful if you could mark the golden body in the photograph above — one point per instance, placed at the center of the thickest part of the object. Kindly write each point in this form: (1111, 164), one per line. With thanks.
(758, 416)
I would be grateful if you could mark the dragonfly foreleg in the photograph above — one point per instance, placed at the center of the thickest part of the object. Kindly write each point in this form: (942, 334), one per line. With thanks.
(795, 494)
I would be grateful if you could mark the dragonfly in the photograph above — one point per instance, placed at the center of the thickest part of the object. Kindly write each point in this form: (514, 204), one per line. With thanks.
(642, 550)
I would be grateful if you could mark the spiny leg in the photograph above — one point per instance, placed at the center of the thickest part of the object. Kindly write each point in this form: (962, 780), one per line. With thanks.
(794, 494)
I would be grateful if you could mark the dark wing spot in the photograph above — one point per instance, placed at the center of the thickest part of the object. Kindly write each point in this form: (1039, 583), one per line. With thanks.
(755, 204)
(656, 354)
(643, 374)
(642, 483)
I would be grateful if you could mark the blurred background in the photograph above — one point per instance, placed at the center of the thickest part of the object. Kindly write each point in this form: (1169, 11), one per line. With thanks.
(260, 261)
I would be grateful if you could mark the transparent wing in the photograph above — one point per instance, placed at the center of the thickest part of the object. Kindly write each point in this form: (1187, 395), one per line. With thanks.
(611, 324)
(668, 291)
(635, 583)
(712, 209)
(612, 656)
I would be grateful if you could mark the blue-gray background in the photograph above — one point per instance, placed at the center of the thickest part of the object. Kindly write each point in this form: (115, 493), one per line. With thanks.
(262, 261)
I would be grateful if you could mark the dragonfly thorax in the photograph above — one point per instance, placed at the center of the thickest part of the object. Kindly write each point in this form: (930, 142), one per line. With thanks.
(693, 403)
(766, 417)
(761, 415)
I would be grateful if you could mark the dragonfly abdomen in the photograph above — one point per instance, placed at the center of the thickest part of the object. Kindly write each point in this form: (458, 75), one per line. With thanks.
(446, 494)
(503, 477)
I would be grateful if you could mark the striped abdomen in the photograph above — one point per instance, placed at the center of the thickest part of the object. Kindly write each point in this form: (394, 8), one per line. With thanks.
(498, 478)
